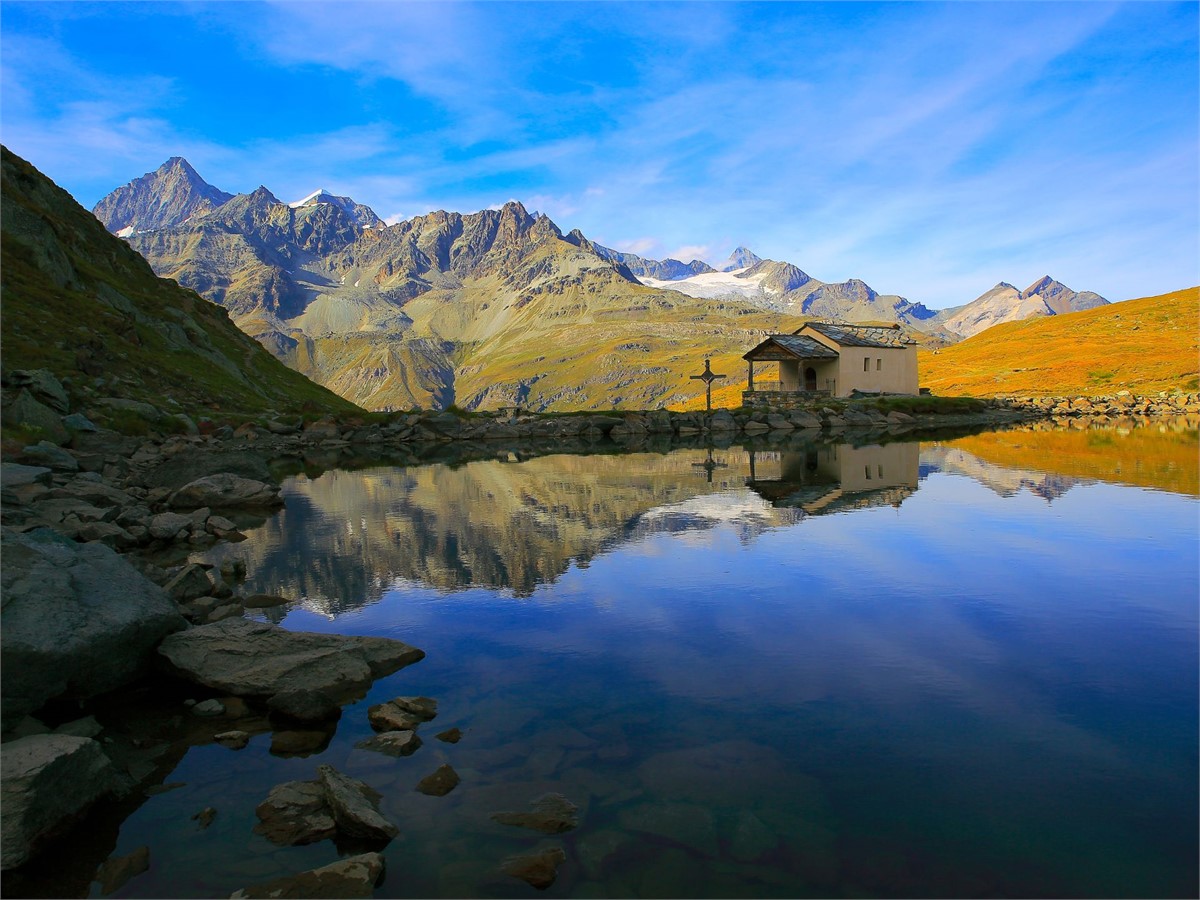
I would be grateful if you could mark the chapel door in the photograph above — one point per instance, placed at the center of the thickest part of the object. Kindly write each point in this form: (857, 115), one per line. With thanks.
(810, 379)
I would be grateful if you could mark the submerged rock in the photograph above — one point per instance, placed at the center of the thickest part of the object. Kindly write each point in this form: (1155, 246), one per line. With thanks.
(256, 659)
(393, 743)
(537, 869)
(450, 735)
(47, 781)
(355, 876)
(114, 872)
(439, 782)
(549, 814)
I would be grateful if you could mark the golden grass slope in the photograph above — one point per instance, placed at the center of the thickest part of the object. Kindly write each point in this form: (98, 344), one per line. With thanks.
(1144, 346)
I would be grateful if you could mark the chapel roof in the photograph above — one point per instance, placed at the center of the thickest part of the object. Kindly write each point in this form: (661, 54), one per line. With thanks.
(861, 335)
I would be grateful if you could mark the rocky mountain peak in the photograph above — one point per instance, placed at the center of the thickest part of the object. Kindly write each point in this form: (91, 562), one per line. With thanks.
(1045, 286)
(740, 258)
(164, 198)
(360, 214)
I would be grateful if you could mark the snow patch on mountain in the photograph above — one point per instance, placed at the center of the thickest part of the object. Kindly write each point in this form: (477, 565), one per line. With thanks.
(711, 285)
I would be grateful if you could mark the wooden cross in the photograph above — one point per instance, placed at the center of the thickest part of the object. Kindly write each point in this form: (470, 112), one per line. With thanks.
(708, 377)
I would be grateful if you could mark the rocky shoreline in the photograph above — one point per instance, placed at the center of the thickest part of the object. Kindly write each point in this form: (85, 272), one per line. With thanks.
(98, 591)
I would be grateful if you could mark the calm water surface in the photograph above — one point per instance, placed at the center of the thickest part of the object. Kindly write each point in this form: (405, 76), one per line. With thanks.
(941, 669)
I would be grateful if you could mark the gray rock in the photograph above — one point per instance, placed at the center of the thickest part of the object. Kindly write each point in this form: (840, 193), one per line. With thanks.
(392, 743)
(538, 869)
(803, 419)
(78, 422)
(115, 872)
(256, 659)
(106, 533)
(354, 807)
(43, 384)
(722, 420)
(401, 713)
(439, 782)
(166, 526)
(550, 814)
(295, 812)
(450, 735)
(355, 876)
(234, 740)
(189, 583)
(14, 475)
(46, 782)
(209, 708)
(86, 727)
(27, 411)
(225, 491)
(78, 620)
(52, 456)
(776, 422)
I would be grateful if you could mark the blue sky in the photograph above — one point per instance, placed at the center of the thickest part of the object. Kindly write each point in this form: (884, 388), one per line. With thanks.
(930, 149)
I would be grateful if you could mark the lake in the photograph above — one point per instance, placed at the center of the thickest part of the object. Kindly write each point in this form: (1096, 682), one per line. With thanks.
(954, 668)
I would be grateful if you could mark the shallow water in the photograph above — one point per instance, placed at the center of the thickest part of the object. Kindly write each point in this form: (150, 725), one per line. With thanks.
(947, 669)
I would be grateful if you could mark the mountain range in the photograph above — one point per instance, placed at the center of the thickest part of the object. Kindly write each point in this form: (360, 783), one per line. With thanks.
(491, 308)
(81, 303)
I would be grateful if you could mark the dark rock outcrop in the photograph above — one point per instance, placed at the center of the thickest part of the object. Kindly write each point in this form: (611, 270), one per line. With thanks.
(255, 659)
(46, 782)
(79, 620)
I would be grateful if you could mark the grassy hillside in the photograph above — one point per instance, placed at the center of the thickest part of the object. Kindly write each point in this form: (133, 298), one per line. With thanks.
(80, 302)
(1143, 346)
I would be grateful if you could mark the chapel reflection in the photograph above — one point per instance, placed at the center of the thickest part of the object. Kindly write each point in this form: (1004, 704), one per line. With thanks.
(824, 478)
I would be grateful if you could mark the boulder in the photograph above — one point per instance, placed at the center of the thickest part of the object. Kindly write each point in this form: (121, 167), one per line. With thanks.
(450, 735)
(15, 475)
(166, 526)
(78, 620)
(295, 812)
(550, 814)
(43, 385)
(188, 583)
(77, 422)
(355, 876)
(354, 807)
(52, 456)
(27, 411)
(536, 869)
(722, 420)
(257, 659)
(46, 782)
(226, 491)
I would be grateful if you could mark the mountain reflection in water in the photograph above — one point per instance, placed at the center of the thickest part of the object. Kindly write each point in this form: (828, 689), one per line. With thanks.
(516, 525)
